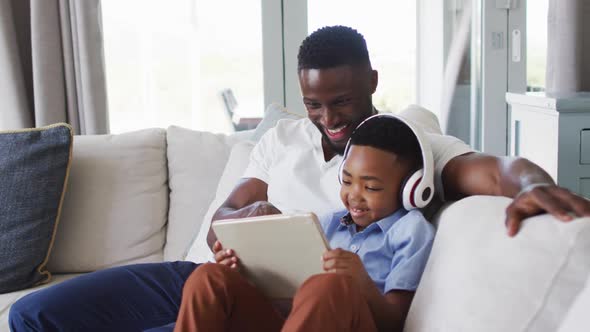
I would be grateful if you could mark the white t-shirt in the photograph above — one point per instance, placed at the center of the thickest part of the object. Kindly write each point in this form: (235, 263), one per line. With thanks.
(290, 159)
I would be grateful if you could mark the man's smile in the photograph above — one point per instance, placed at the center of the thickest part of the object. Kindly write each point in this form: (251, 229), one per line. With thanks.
(338, 133)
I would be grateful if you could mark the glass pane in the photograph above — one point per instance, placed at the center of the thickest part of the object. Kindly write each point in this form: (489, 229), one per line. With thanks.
(168, 62)
(464, 104)
(536, 42)
(389, 28)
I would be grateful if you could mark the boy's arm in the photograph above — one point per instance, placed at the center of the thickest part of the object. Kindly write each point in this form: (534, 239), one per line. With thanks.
(389, 311)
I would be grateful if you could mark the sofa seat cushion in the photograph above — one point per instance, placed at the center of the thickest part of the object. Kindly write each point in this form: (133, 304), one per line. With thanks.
(8, 299)
(34, 167)
(116, 205)
(479, 279)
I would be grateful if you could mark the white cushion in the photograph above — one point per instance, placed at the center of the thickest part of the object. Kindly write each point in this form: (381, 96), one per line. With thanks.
(479, 279)
(577, 318)
(195, 162)
(272, 114)
(8, 299)
(116, 203)
(236, 165)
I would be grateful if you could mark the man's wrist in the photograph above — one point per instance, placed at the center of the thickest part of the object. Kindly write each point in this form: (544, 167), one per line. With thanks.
(532, 186)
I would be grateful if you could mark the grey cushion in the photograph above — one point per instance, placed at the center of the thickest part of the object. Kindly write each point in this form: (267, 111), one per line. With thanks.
(34, 167)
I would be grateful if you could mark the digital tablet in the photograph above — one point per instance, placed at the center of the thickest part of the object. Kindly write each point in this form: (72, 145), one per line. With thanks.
(277, 252)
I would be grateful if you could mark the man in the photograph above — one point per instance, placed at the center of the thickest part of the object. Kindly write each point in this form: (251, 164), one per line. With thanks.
(337, 82)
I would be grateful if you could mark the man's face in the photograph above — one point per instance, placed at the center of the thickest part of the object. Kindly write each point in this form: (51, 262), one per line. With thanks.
(338, 100)
(371, 180)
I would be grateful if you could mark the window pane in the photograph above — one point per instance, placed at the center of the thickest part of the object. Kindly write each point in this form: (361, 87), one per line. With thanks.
(389, 28)
(167, 62)
(536, 40)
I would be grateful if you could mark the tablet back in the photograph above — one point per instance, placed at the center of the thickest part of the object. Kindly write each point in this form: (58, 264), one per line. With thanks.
(278, 253)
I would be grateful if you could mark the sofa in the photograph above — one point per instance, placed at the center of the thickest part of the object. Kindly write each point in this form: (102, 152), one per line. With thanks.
(147, 196)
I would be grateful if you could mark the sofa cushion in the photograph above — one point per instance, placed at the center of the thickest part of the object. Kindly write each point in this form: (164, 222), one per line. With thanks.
(116, 205)
(195, 162)
(34, 167)
(577, 318)
(273, 113)
(236, 165)
(479, 279)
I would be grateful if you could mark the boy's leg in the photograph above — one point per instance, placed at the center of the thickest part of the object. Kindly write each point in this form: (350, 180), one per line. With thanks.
(126, 298)
(330, 302)
(231, 303)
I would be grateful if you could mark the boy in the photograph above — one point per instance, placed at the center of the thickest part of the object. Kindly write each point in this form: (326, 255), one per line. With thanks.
(378, 256)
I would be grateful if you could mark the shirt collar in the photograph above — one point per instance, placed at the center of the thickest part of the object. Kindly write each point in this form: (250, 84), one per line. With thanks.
(384, 224)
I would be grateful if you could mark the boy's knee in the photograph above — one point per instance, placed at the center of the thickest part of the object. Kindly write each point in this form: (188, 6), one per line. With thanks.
(329, 285)
(210, 274)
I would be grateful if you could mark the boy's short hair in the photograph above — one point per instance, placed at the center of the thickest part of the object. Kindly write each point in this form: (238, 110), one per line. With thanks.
(333, 46)
(391, 135)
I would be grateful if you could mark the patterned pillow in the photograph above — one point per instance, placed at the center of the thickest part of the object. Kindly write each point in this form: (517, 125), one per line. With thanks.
(34, 167)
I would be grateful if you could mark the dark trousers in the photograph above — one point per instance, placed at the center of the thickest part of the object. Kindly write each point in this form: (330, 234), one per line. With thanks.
(127, 298)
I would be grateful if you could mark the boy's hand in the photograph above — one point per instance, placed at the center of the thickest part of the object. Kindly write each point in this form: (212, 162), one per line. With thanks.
(348, 263)
(225, 256)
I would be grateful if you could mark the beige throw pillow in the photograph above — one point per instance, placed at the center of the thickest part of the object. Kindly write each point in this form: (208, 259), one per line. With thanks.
(116, 203)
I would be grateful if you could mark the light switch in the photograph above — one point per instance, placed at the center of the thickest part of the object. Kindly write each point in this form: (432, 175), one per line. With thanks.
(585, 147)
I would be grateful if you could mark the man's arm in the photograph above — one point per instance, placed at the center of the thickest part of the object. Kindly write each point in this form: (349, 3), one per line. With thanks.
(481, 174)
(247, 199)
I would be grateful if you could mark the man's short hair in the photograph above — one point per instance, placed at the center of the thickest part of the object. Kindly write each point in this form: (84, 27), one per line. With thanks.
(391, 135)
(333, 46)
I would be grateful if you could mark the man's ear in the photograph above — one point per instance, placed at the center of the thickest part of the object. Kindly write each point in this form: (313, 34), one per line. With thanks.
(374, 80)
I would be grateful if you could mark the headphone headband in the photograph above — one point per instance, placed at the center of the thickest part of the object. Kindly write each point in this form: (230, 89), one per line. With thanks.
(418, 189)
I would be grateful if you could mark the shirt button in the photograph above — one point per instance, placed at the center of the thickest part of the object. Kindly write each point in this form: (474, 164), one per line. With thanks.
(353, 247)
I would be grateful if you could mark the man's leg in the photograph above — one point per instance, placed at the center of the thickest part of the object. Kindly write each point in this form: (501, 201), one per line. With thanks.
(218, 298)
(127, 298)
(330, 302)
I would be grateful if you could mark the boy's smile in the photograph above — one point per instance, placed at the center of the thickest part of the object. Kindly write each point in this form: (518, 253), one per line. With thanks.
(371, 180)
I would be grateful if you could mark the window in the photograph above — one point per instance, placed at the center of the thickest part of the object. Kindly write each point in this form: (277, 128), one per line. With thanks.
(167, 62)
(389, 27)
(536, 26)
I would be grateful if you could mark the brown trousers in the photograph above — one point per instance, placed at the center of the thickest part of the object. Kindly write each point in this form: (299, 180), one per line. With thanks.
(217, 298)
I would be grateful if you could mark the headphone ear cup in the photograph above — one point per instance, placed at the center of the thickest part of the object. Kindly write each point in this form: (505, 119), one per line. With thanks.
(409, 190)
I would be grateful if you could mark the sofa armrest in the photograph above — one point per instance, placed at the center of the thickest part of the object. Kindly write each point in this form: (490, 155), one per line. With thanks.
(479, 279)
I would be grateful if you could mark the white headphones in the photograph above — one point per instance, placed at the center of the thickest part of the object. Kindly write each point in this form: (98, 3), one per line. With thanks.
(417, 189)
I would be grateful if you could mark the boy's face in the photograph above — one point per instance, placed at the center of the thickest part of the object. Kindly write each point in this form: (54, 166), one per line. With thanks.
(371, 180)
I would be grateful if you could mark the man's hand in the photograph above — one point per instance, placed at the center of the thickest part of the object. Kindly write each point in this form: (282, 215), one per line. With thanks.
(348, 263)
(225, 256)
(259, 208)
(559, 202)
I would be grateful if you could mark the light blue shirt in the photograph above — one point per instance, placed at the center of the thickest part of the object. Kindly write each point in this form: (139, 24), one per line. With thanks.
(394, 250)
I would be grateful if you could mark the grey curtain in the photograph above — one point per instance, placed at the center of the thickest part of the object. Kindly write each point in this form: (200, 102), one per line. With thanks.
(568, 46)
(52, 65)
